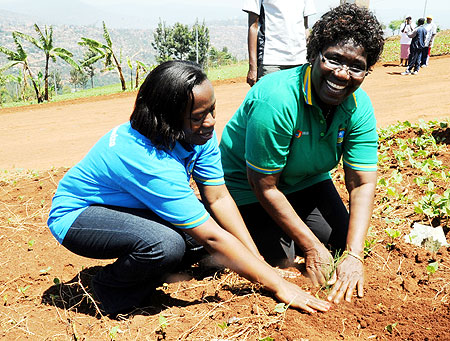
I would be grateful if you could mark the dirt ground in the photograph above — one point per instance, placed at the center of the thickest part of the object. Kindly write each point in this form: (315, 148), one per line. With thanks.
(60, 134)
(45, 291)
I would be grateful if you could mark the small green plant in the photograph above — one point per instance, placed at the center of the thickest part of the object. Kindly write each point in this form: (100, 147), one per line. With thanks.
(280, 308)
(368, 246)
(45, 271)
(113, 332)
(393, 235)
(223, 325)
(267, 338)
(5, 299)
(23, 290)
(56, 281)
(162, 326)
(432, 268)
(31, 244)
(391, 327)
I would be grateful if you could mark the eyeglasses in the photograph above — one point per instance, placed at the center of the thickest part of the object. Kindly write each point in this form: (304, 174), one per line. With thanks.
(354, 72)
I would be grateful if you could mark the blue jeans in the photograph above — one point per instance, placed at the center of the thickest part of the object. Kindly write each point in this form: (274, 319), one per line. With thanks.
(146, 247)
(321, 209)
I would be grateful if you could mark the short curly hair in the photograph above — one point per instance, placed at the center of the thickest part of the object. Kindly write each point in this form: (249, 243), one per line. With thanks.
(347, 22)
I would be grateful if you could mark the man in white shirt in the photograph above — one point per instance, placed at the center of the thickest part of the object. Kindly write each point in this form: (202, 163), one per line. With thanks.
(429, 39)
(276, 35)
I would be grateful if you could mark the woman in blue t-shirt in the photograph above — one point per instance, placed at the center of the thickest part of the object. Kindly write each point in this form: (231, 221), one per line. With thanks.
(130, 198)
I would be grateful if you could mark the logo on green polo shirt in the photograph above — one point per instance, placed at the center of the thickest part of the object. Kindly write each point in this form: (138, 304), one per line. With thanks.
(340, 136)
(299, 133)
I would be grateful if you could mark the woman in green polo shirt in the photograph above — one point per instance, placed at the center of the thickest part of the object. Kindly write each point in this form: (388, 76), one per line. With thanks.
(291, 130)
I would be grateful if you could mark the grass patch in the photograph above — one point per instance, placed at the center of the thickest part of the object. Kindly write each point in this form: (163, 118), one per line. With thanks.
(236, 70)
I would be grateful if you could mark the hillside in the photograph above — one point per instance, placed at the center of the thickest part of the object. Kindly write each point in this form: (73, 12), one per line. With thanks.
(134, 43)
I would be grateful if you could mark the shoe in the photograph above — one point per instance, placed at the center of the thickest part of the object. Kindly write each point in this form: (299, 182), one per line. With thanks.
(407, 72)
(414, 72)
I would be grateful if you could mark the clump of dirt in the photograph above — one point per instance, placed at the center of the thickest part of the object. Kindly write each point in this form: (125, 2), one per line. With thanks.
(45, 289)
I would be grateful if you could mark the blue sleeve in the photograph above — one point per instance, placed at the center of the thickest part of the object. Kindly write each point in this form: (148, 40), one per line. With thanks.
(208, 167)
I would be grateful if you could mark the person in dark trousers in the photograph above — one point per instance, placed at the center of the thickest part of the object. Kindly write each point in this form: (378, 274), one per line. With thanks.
(130, 198)
(416, 49)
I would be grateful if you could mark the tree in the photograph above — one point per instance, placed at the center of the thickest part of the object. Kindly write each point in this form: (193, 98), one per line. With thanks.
(394, 25)
(20, 57)
(88, 64)
(45, 43)
(140, 66)
(105, 52)
(78, 78)
(162, 42)
(56, 81)
(180, 42)
(218, 58)
(200, 43)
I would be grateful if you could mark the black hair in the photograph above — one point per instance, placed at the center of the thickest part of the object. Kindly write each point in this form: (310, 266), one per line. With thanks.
(162, 101)
(420, 21)
(347, 22)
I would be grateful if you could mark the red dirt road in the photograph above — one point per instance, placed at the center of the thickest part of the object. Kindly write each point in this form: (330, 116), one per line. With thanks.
(59, 134)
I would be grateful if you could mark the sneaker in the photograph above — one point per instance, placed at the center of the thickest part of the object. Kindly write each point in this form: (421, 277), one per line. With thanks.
(407, 72)
(414, 72)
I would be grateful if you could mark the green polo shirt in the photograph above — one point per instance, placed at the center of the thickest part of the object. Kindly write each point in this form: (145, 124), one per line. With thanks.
(280, 128)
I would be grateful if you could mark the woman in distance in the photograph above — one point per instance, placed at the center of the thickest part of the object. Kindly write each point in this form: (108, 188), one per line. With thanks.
(130, 199)
(293, 127)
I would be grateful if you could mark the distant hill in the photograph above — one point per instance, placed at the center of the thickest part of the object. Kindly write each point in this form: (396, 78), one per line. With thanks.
(134, 43)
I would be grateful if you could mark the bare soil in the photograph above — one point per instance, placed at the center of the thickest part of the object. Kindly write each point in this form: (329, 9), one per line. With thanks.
(45, 291)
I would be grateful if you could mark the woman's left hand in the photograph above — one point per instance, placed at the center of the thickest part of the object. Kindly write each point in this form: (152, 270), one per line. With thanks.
(350, 274)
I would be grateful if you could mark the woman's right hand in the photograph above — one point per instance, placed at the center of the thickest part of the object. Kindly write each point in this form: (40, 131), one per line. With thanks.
(295, 297)
(319, 265)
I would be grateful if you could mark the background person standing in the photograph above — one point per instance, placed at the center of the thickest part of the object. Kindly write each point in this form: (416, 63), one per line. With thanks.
(416, 48)
(405, 28)
(276, 35)
(431, 29)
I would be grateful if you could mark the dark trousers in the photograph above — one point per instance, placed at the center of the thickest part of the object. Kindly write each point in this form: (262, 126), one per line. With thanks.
(424, 57)
(319, 206)
(146, 247)
(414, 60)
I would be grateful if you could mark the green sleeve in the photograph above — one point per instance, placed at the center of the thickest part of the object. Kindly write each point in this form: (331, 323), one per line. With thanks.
(268, 137)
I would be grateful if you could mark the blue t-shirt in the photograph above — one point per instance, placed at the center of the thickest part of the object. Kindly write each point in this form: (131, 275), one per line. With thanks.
(124, 169)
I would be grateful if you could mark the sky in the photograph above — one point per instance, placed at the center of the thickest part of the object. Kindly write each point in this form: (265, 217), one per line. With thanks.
(146, 13)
